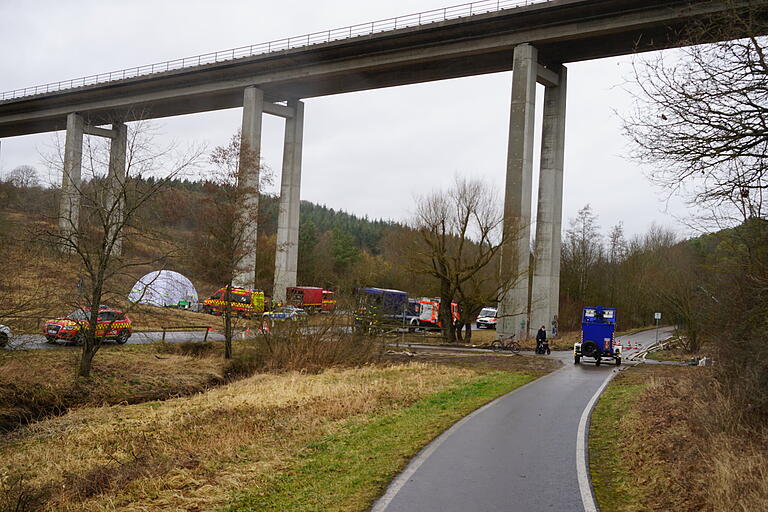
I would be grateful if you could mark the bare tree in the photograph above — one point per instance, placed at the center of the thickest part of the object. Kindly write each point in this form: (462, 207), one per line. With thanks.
(23, 176)
(461, 235)
(227, 221)
(110, 206)
(701, 114)
(582, 249)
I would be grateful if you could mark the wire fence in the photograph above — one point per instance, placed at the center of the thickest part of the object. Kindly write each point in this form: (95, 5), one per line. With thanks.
(302, 41)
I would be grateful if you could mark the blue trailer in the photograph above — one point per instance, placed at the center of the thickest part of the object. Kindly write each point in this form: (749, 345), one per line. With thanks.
(598, 325)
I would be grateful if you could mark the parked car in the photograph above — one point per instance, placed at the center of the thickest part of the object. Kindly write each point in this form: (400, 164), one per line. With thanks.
(287, 312)
(487, 318)
(5, 335)
(112, 324)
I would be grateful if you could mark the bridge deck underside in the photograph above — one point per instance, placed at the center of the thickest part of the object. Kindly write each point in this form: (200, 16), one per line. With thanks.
(562, 31)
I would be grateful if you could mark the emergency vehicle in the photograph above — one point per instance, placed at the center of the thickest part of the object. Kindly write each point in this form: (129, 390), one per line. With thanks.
(311, 298)
(243, 302)
(487, 318)
(110, 324)
(597, 336)
(429, 313)
(329, 300)
(379, 306)
(288, 312)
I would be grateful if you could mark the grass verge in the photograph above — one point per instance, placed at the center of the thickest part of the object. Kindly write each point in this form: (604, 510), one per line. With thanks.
(346, 471)
(611, 474)
(39, 383)
(647, 448)
(300, 432)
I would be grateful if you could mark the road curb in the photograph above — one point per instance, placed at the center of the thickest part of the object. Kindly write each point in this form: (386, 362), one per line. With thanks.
(582, 449)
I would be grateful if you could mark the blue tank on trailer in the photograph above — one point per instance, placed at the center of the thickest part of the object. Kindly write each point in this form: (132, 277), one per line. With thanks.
(598, 325)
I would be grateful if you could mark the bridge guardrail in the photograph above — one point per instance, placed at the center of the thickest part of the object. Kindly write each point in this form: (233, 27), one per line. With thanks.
(326, 36)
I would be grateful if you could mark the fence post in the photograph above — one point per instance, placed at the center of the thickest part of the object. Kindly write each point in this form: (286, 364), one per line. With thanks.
(205, 338)
(163, 334)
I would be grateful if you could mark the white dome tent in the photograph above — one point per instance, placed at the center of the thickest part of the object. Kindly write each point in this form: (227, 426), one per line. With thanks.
(163, 288)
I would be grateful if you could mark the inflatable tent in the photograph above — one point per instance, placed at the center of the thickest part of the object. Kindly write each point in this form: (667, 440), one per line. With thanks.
(163, 288)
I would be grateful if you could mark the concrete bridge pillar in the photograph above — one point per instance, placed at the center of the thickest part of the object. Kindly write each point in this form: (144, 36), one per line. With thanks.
(515, 261)
(250, 166)
(69, 210)
(116, 183)
(287, 251)
(545, 290)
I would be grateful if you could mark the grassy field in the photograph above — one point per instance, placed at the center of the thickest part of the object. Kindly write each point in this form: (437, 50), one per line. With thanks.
(158, 421)
(280, 441)
(39, 383)
(649, 451)
(612, 477)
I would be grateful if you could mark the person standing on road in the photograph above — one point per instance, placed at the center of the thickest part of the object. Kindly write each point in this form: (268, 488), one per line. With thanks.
(542, 345)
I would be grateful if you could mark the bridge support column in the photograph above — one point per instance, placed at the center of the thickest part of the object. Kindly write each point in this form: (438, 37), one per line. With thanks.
(69, 210)
(545, 290)
(116, 183)
(287, 251)
(513, 308)
(250, 166)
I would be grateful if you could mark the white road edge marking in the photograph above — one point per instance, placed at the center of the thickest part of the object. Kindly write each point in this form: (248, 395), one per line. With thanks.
(585, 485)
(415, 463)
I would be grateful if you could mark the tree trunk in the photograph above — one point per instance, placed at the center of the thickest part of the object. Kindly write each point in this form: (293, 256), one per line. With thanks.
(459, 329)
(468, 333)
(86, 359)
(228, 323)
(444, 315)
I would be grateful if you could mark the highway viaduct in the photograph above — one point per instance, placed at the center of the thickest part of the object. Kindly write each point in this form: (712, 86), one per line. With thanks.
(533, 38)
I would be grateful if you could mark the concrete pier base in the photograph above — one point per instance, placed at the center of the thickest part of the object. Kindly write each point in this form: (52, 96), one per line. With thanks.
(545, 290)
(515, 263)
(287, 251)
(250, 167)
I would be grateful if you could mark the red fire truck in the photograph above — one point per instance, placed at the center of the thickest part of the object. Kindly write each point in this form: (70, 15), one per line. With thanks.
(429, 313)
(311, 298)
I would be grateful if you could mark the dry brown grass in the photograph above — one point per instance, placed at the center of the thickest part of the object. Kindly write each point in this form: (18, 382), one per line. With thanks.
(191, 453)
(40, 383)
(685, 449)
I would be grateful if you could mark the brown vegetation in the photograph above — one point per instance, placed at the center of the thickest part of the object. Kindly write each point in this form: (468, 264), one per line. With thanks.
(685, 447)
(193, 453)
(40, 383)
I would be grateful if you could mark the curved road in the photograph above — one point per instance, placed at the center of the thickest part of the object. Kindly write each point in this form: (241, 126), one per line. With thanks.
(518, 453)
(37, 341)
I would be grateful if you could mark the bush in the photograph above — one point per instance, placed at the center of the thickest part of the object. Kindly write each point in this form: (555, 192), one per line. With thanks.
(190, 348)
(293, 347)
(244, 364)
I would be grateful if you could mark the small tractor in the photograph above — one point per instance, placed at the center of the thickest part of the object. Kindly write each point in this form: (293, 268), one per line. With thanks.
(597, 327)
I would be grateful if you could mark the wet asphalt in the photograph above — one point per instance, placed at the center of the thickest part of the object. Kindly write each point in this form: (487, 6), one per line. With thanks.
(37, 341)
(518, 454)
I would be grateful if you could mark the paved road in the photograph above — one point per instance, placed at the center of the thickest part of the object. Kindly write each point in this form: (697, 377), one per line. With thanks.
(37, 341)
(517, 454)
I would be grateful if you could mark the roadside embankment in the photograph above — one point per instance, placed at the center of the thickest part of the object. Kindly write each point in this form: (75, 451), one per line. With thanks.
(656, 443)
(288, 441)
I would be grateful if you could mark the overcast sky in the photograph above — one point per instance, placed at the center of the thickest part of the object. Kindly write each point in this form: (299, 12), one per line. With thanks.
(369, 153)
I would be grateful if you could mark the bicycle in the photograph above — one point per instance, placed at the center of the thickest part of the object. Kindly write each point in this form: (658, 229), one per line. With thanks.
(509, 344)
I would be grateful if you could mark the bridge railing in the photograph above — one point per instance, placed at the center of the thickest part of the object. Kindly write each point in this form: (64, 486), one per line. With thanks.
(352, 31)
